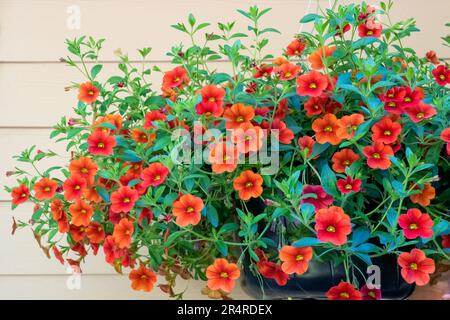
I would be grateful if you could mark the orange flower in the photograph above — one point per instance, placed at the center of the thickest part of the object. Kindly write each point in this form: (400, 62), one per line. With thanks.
(279, 61)
(312, 84)
(377, 155)
(81, 213)
(348, 125)
(187, 210)
(74, 187)
(45, 189)
(326, 129)
(20, 194)
(295, 260)
(306, 142)
(175, 78)
(84, 167)
(223, 158)
(343, 159)
(238, 114)
(95, 232)
(141, 136)
(142, 279)
(101, 143)
(222, 275)
(296, 47)
(248, 184)
(425, 196)
(287, 71)
(316, 58)
(88, 93)
(248, 138)
(115, 119)
(91, 195)
(123, 231)
(154, 175)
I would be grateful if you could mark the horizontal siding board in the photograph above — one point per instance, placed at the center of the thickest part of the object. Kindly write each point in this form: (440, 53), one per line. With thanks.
(35, 30)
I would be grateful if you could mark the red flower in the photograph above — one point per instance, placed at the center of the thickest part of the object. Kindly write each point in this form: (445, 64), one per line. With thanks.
(393, 99)
(263, 71)
(416, 267)
(77, 232)
(344, 291)
(348, 125)
(415, 224)
(306, 142)
(20, 194)
(315, 105)
(295, 260)
(58, 254)
(341, 30)
(142, 279)
(123, 231)
(280, 131)
(370, 294)
(446, 241)
(420, 112)
(45, 189)
(151, 116)
(146, 214)
(322, 199)
(187, 210)
(411, 97)
(175, 78)
(271, 270)
(326, 129)
(316, 58)
(74, 187)
(95, 232)
(377, 155)
(386, 131)
(222, 275)
(248, 138)
(311, 84)
(248, 184)
(84, 167)
(81, 213)
(287, 71)
(238, 114)
(445, 136)
(101, 143)
(432, 57)
(123, 199)
(88, 93)
(212, 101)
(370, 28)
(333, 225)
(349, 185)
(441, 74)
(154, 175)
(223, 157)
(295, 48)
(111, 250)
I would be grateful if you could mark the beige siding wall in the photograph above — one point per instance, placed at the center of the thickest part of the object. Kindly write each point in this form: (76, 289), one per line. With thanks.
(32, 99)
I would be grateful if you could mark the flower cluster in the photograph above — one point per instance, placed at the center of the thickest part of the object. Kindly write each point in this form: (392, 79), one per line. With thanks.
(357, 123)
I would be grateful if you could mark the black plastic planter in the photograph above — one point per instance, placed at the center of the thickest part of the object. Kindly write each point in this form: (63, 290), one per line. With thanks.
(321, 276)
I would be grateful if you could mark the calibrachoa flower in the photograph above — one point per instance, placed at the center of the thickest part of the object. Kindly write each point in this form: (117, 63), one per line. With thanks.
(378, 155)
(212, 101)
(312, 84)
(296, 47)
(420, 112)
(306, 142)
(315, 105)
(248, 184)
(142, 278)
(123, 232)
(349, 185)
(445, 136)
(95, 232)
(20, 194)
(416, 267)
(316, 58)
(415, 224)
(88, 93)
(287, 71)
(222, 275)
(101, 143)
(74, 187)
(152, 116)
(326, 129)
(123, 199)
(442, 75)
(81, 213)
(393, 99)
(248, 138)
(386, 131)
(85, 167)
(320, 200)
(115, 120)
(332, 225)
(187, 210)
(344, 291)
(263, 71)
(154, 175)
(237, 115)
(343, 159)
(411, 97)
(45, 189)
(223, 157)
(295, 260)
(370, 28)
(348, 125)
(175, 78)
(279, 130)
(425, 195)
(271, 270)
(370, 294)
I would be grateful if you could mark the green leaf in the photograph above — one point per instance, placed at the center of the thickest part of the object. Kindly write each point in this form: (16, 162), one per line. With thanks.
(131, 156)
(191, 19)
(364, 42)
(172, 237)
(102, 193)
(221, 247)
(306, 242)
(328, 178)
(211, 214)
(95, 70)
(310, 17)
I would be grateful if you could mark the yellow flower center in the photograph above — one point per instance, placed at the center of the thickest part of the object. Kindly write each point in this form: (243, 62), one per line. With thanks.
(223, 274)
(144, 277)
(101, 145)
(442, 77)
(407, 99)
(47, 189)
(391, 104)
(331, 229)
(212, 99)
(420, 115)
(248, 184)
(190, 210)
(84, 170)
(316, 107)
(348, 187)
(376, 155)
(90, 92)
(296, 52)
(345, 295)
(354, 128)
(23, 195)
(144, 137)
(287, 74)
(369, 33)
(413, 226)
(346, 162)
(126, 200)
(312, 85)
(77, 188)
(299, 257)
(83, 211)
(328, 129)
(387, 133)
(240, 119)
(157, 178)
(372, 294)
(413, 266)
(177, 79)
